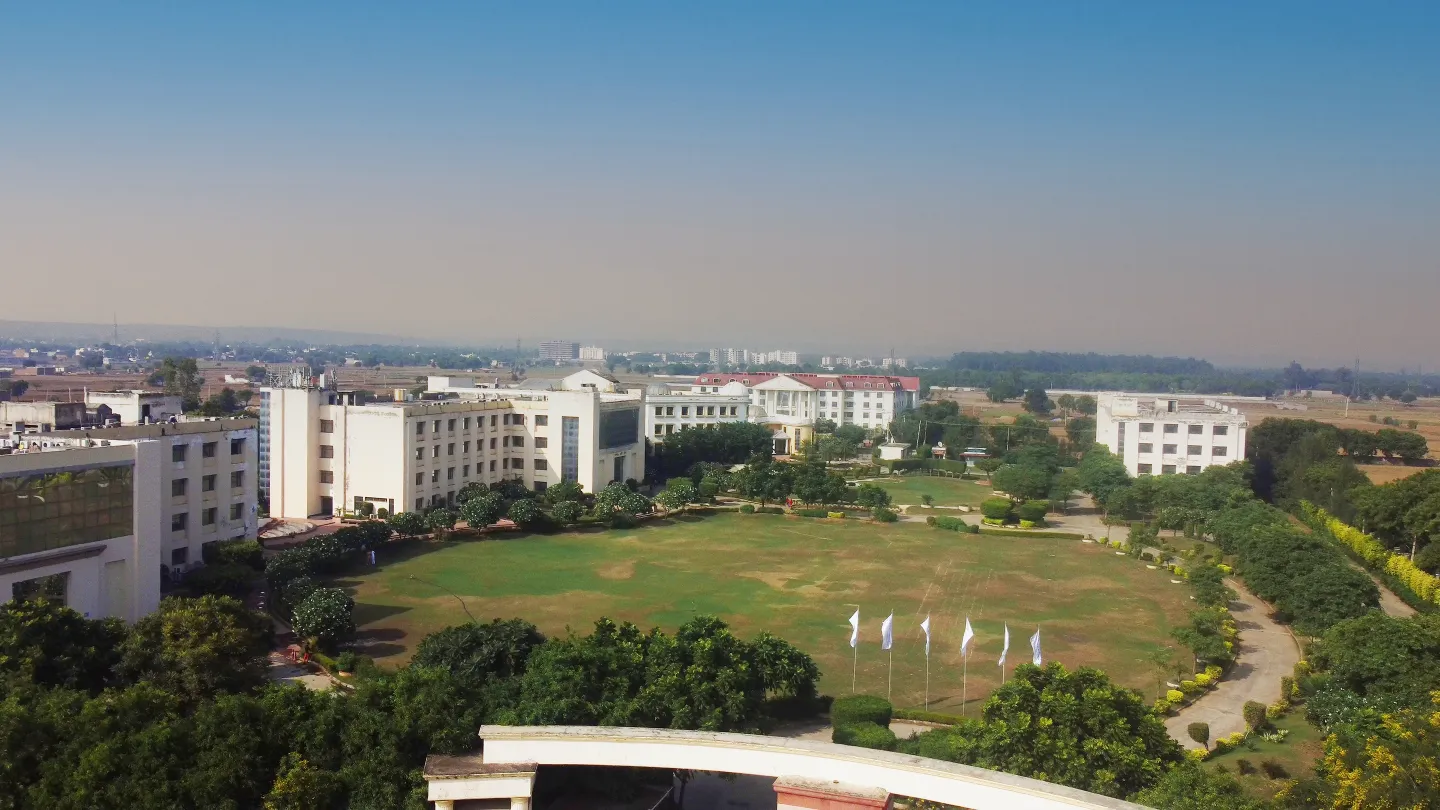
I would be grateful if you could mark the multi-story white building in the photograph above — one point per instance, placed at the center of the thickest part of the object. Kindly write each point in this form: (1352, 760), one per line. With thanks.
(668, 411)
(83, 524)
(592, 353)
(790, 403)
(559, 350)
(326, 453)
(1167, 436)
(136, 407)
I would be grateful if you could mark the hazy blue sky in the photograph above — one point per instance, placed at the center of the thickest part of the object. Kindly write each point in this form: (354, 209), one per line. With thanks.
(1242, 181)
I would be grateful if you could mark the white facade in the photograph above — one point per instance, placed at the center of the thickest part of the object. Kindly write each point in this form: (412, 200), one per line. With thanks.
(1169, 436)
(592, 353)
(326, 454)
(559, 350)
(136, 407)
(109, 564)
(668, 412)
(870, 401)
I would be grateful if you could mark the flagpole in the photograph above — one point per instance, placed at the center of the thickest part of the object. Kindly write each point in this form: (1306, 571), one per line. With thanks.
(927, 680)
(854, 666)
(964, 681)
(890, 680)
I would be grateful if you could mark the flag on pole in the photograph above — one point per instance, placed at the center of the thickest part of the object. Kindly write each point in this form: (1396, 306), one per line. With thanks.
(1035, 646)
(886, 627)
(965, 640)
(925, 625)
(855, 628)
(1006, 648)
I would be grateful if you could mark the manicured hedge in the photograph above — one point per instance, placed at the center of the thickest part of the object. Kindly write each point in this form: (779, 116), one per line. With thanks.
(928, 717)
(1375, 556)
(1031, 533)
(861, 709)
(865, 735)
(240, 552)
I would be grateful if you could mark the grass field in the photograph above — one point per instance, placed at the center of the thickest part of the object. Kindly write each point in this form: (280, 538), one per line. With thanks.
(801, 580)
(1297, 754)
(945, 491)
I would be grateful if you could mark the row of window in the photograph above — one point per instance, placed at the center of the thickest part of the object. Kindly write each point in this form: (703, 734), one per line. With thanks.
(181, 521)
(1167, 469)
(1193, 430)
(180, 486)
(541, 442)
(540, 464)
(700, 410)
(207, 450)
(541, 420)
(1190, 449)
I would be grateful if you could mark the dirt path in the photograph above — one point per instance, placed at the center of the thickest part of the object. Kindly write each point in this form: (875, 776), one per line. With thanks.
(1393, 605)
(1268, 652)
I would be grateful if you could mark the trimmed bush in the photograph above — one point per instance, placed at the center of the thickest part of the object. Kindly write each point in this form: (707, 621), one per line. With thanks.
(884, 515)
(812, 513)
(1175, 696)
(239, 552)
(996, 509)
(1254, 714)
(747, 508)
(770, 510)
(928, 717)
(1033, 511)
(861, 709)
(948, 523)
(835, 515)
(566, 513)
(865, 735)
(347, 661)
(220, 579)
(325, 615)
(1200, 733)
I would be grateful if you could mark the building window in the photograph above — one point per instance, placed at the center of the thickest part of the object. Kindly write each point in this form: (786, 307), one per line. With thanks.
(327, 476)
(449, 473)
(1192, 450)
(177, 453)
(178, 522)
(327, 451)
(207, 450)
(450, 449)
(1170, 449)
(180, 556)
(492, 443)
(466, 424)
(505, 464)
(207, 516)
(434, 476)
(1218, 450)
(685, 411)
(450, 425)
(1172, 428)
(435, 451)
(1146, 447)
(569, 448)
(1221, 430)
(419, 479)
(710, 411)
(542, 464)
(541, 420)
(237, 479)
(1168, 469)
(465, 471)
(1147, 427)
(505, 441)
(541, 442)
(517, 441)
(493, 419)
(419, 428)
(1196, 430)
(492, 465)
(237, 511)
(518, 418)
(659, 430)
(419, 504)
(327, 425)
(177, 487)
(1193, 469)
(540, 486)
(435, 426)
(1143, 469)
(419, 454)
(670, 411)
(659, 411)
(207, 483)
(668, 429)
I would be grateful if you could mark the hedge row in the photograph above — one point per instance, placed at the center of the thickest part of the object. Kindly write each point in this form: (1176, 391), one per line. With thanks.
(1031, 533)
(864, 721)
(1375, 556)
(953, 524)
(945, 464)
(928, 717)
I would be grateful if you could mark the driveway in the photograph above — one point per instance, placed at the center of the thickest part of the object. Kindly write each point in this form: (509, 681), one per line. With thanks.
(1268, 652)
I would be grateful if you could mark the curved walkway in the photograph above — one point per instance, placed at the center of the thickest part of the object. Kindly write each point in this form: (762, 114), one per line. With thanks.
(1268, 652)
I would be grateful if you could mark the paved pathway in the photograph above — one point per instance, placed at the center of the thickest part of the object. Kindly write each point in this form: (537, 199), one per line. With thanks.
(1268, 652)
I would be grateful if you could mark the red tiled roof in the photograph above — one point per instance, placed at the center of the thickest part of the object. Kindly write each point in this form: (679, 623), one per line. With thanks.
(852, 382)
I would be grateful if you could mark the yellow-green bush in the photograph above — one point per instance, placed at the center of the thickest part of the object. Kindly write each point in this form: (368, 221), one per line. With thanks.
(1214, 671)
(1174, 696)
(1197, 754)
(1203, 680)
(1277, 710)
(835, 515)
(1376, 555)
(1162, 706)
(1225, 569)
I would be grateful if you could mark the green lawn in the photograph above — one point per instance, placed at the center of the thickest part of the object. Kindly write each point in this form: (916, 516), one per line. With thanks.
(800, 579)
(945, 491)
(1297, 754)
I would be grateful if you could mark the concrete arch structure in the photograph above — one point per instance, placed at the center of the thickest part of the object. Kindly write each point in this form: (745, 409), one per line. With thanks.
(809, 775)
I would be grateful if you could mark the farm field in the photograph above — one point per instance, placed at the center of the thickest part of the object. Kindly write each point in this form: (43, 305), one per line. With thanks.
(800, 579)
(945, 491)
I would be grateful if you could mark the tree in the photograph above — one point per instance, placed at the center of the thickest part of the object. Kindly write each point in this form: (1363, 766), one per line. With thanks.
(564, 491)
(1066, 402)
(1004, 389)
(1189, 786)
(989, 465)
(851, 434)
(815, 484)
(764, 481)
(825, 426)
(1396, 766)
(617, 500)
(405, 524)
(525, 513)
(181, 378)
(1024, 481)
(1101, 474)
(478, 652)
(1081, 431)
(1388, 659)
(325, 615)
(301, 786)
(46, 643)
(255, 373)
(1037, 402)
(197, 648)
(1200, 733)
(567, 513)
(481, 510)
(17, 387)
(871, 496)
(1086, 404)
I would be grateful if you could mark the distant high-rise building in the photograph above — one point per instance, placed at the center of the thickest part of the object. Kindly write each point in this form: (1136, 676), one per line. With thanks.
(827, 360)
(559, 350)
(592, 353)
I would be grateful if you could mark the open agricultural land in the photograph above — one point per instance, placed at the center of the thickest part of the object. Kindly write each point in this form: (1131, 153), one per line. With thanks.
(799, 579)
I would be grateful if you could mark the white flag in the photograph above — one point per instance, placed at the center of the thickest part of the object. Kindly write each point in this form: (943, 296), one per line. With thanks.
(855, 628)
(1035, 646)
(886, 627)
(965, 640)
(925, 625)
(1006, 649)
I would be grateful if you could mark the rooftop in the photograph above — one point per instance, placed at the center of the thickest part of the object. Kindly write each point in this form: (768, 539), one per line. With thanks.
(816, 381)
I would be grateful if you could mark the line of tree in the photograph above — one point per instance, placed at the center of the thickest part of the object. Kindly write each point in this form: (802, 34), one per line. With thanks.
(725, 443)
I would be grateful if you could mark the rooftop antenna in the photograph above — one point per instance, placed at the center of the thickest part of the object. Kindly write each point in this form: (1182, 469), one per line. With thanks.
(115, 335)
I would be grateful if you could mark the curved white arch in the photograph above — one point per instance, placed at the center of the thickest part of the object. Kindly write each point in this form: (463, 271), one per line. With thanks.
(897, 774)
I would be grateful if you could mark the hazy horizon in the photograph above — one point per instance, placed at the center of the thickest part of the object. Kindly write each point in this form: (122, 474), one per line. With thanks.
(1245, 183)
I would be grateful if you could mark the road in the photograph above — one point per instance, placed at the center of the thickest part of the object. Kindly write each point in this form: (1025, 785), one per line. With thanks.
(1268, 652)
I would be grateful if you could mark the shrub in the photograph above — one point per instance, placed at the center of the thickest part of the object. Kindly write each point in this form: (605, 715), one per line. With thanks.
(325, 615)
(835, 515)
(996, 509)
(811, 513)
(346, 661)
(747, 508)
(1203, 680)
(566, 513)
(865, 735)
(440, 520)
(1288, 688)
(296, 591)
(885, 515)
(1189, 688)
(948, 523)
(1174, 696)
(930, 521)
(1162, 706)
(1277, 710)
(1200, 733)
(973, 528)
(1244, 767)
(526, 513)
(239, 552)
(1033, 511)
(861, 709)
(929, 717)
(382, 513)
(770, 510)
(1274, 770)
(220, 579)
(1254, 714)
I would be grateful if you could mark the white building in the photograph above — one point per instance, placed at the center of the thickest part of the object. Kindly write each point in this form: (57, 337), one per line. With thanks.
(136, 407)
(668, 411)
(83, 524)
(560, 350)
(592, 353)
(790, 403)
(326, 453)
(1166, 436)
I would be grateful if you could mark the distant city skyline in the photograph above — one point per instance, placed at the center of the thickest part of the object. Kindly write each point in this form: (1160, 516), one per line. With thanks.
(1247, 183)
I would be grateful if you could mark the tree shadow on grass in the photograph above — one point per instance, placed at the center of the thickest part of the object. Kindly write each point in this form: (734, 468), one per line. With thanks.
(366, 613)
